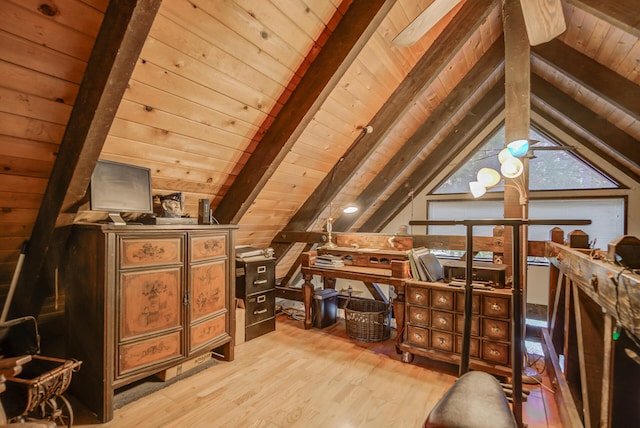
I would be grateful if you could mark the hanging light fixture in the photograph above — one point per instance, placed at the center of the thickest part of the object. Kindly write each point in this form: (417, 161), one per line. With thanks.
(488, 177)
(512, 168)
(518, 148)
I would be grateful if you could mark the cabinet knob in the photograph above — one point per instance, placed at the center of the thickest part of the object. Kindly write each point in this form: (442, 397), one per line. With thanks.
(442, 299)
(417, 336)
(494, 352)
(443, 321)
(495, 329)
(495, 307)
(419, 296)
(418, 316)
(442, 340)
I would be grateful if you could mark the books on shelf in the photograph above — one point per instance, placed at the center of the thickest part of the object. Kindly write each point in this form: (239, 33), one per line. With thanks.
(424, 265)
(329, 260)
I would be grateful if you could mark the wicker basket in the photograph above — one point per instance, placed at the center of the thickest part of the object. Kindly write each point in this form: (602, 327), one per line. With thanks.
(368, 320)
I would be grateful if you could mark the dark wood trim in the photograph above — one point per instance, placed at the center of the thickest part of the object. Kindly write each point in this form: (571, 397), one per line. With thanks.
(623, 14)
(599, 127)
(475, 121)
(456, 100)
(444, 48)
(122, 34)
(343, 46)
(592, 75)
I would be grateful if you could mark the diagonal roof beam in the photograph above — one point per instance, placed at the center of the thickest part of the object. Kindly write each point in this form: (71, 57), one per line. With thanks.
(477, 119)
(603, 130)
(607, 84)
(122, 34)
(490, 61)
(443, 49)
(555, 106)
(342, 47)
(623, 14)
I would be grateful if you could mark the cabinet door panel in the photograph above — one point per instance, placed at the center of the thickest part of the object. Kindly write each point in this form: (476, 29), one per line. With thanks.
(206, 331)
(148, 352)
(139, 252)
(418, 296)
(419, 315)
(442, 299)
(208, 289)
(206, 247)
(494, 306)
(418, 336)
(150, 301)
(442, 320)
(495, 352)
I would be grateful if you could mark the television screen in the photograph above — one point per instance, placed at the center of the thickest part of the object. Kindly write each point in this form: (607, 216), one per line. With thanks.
(120, 188)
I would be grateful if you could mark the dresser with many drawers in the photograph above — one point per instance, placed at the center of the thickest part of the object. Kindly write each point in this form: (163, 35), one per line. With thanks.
(434, 319)
(140, 299)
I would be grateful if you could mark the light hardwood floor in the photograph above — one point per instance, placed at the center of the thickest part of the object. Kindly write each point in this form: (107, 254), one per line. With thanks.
(306, 378)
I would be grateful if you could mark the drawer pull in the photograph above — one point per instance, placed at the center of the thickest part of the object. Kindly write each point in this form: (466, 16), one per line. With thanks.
(417, 337)
(442, 299)
(259, 281)
(418, 316)
(443, 321)
(261, 311)
(496, 330)
(494, 352)
(262, 269)
(442, 340)
(419, 296)
(495, 307)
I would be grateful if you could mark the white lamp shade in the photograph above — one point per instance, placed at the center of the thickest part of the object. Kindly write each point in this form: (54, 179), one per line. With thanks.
(512, 168)
(504, 155)
(477, 189)
(488, 177)
(518, 148)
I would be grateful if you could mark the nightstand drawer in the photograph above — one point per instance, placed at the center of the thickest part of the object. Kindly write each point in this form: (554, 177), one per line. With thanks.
(495, 329)
(418, 296)
(495, 306)
(496, 352)
(475, 325)
(442, 320)
(418, 336)
(442, 341)
(442, 299)
(419, 315)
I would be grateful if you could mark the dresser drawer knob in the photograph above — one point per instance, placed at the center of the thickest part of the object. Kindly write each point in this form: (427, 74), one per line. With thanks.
(443, 321)
(417, 337)
(261, 311)
(419, 296)
(494, 352)
(495, 330)
(442, 340)
(495, 307)
(442, 299)
(259, 282)
(418, 316)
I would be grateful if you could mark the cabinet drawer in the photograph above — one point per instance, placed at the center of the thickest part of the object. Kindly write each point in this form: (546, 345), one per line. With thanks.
(442, 341)
(442, 320)
(495, 329)
(475, 306)
(204, 332)
(419, 315)
(150, 301)
(418, 336)
(140, 252)
(474, 349)
(495, 352)
(148, 352)
(205, 247)
(207, 289)
(442, 299)
(261, 306)
(255, 277)
(496, 306)
(475, 325)
(418, 296)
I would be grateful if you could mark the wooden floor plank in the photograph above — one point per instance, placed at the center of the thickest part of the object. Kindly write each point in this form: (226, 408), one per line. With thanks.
(305, 378)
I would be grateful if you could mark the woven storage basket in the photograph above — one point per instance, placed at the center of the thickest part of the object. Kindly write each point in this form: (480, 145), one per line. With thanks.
(368, 320)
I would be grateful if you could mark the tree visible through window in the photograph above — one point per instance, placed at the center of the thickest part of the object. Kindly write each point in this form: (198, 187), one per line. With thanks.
(548, 169)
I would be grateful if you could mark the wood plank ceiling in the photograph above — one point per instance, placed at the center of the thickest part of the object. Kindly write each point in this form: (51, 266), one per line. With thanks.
(260, 106)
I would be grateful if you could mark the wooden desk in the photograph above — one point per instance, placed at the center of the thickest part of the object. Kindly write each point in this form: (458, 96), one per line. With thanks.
(393, 274)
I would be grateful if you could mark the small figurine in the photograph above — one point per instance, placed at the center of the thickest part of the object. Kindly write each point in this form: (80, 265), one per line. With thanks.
(172, 205)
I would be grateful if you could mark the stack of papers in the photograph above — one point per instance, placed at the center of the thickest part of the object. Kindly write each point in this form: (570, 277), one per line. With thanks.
(328, 260)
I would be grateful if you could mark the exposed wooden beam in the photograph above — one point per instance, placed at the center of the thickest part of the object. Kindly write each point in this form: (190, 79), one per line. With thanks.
(462, 27)
(558, 119)
(124, 29)
(607, 84)
(475, 121)
(624, 14)
(599, 127)
(490, 61)
(345, 43)
(544, 20)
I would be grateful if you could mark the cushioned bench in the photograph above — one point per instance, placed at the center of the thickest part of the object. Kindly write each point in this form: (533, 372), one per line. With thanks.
(476, 400)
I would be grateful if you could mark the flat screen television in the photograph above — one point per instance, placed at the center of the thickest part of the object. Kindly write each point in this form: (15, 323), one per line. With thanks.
(120, 188)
